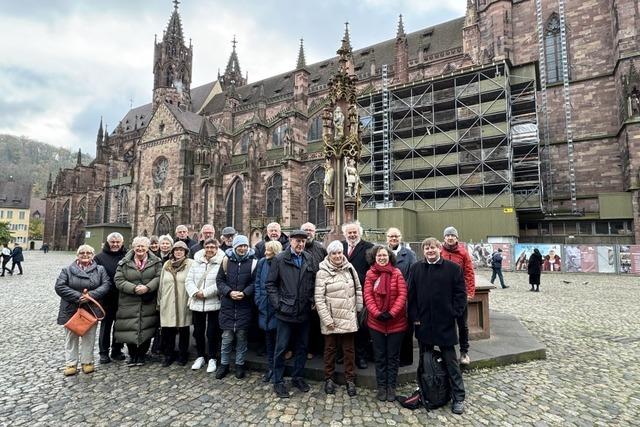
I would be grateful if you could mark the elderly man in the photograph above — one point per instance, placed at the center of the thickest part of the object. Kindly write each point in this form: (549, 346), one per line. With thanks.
(453, 251)
(437, 297)
(290, 287)
(274, 232)
(318, 253)
(206, 232)
(228, 233)
(182, 234)
(356, 251)
(112, 252)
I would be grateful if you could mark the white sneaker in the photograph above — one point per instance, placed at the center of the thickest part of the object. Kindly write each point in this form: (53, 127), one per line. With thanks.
(199, 363)
(212, 366)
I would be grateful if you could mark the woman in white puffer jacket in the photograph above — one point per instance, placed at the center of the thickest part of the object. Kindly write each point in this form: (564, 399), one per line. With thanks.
(338, 299)
(204, 303)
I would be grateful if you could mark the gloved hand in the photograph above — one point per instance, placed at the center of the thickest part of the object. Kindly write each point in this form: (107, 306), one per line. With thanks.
(384, 316)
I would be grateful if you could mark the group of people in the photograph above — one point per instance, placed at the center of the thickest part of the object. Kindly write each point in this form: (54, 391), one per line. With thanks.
(368, 300)
(14, 255)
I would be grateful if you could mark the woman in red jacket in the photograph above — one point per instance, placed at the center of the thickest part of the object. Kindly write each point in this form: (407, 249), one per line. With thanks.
(385, 296)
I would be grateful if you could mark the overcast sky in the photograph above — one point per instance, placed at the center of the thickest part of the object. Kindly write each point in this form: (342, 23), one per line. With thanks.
(66, 63)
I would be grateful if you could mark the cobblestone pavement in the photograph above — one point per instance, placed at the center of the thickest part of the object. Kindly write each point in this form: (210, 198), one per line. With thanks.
(591, 376)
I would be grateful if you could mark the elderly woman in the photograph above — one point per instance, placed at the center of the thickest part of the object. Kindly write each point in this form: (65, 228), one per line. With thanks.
(385, 295)
(83, 274)
(154, 246)
(173, 303)
(205, 303)
(165, 243)
(338, 298)
(266, 313)
(137, 278)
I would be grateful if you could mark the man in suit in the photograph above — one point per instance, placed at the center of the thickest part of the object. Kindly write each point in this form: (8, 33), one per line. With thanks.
(356, 251)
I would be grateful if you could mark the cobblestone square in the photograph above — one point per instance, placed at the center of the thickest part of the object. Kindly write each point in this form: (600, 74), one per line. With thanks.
(591, 376)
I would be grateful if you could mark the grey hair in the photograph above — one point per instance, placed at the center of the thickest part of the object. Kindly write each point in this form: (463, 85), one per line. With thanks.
(274, 224)
(85, 248)
(165, 237)
(334, 247)
(140, 240)
(115, 235)
(180, 226)
(356, 222)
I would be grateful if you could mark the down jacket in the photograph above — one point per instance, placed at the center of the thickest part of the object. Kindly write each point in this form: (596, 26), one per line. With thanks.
(72, 281)
(137, 317)
(338, 297)
(266, 313)
(173, 300)
(460, 256)
(397, 303)
(202, 277)
(239, 276)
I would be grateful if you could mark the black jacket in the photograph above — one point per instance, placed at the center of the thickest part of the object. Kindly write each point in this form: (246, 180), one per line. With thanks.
(195, 248)
(535, 263)
(239, 276)
(16, 254)
(109, 260)
(404, 260)
(72, 281)
(437, 296)
(290, 288)
(284, 239)
(496, 260)
(359, 257)
(317, 251)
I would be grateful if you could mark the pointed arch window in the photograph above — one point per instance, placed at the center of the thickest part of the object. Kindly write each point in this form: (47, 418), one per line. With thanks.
(315, 129)
(553, 49)
(233, 205)
(82, 209)
(317, 212)
(277, 136)
(274, 196)
(163, 226)
(205, 203)
(99, 211)
(244, 144)
(65, 219)
(123, 206)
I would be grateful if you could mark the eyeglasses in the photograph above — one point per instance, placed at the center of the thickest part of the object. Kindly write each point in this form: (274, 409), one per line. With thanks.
(391, 236)
(85, 253)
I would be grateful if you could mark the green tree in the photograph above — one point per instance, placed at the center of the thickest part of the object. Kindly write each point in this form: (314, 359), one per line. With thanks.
(36, 229)
(5, 233)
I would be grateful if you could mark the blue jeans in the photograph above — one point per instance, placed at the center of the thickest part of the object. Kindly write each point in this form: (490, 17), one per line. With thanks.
(497, 272)
(227, 344)
(270, 340)
(285, 330)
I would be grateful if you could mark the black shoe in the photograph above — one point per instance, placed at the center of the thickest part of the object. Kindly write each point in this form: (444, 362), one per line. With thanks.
(118, 356)
(104, 359)
(168, 361)
(532, 289)
(240, 373)
(505, 287)
(362, 363)
(351, 388)
(182, 361)
(141, 361)
(300, 384)
(132, 361)
(457, 407)
(222, 371)
(267, 376)
(281, 390)
(329, 386)
(381, 395)
(391, 394)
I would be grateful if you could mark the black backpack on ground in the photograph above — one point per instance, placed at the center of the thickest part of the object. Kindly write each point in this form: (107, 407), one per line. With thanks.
(433, 380)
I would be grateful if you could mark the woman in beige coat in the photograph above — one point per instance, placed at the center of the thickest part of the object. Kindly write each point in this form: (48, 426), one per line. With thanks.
(173, 304)
(338, 298)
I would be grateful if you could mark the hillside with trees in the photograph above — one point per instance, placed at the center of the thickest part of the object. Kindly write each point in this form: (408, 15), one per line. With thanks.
(28, 160)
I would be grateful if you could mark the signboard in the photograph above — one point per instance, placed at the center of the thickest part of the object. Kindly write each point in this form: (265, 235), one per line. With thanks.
(551, 260)
(480, 254)
(606, 259)
(629, 259)
(580, 259)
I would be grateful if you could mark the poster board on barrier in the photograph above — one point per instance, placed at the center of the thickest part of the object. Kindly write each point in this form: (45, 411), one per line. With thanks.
(629, 259)
(606, 259)
(551, 256)
(580, 259)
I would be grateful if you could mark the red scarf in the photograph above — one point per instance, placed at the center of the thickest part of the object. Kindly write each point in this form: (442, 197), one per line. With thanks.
(381, 287)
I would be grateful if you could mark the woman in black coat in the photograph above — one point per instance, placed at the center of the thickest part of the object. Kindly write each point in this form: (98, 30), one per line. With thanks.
(82, 274)
(534, 268)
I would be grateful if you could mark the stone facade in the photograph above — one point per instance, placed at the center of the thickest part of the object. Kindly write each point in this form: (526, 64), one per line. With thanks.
(211, 153)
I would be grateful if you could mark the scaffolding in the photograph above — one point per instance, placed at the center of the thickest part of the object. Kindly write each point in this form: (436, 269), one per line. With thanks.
(450, 142)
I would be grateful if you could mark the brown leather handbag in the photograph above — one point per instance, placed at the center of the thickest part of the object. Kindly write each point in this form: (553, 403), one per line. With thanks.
(83, 320)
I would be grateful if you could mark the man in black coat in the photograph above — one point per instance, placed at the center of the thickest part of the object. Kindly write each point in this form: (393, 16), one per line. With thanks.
(226, 238)
(17, 258)
(274, 232)
(356, 251)
(207, 231)
(112, 252)
(290, 287)
(437, 296)
(182, 234)
(318, 253)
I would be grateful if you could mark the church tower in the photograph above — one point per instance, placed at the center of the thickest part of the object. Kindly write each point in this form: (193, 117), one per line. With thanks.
(232, 76)
(172, 63)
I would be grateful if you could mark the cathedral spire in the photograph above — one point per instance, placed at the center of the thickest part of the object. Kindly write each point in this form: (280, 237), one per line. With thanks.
(232, 74)
(301, 59)
(346, 40)
(100, 132)
(471, 17)
(174, 28)
(400, 32)
(345, 57)
(79, 160)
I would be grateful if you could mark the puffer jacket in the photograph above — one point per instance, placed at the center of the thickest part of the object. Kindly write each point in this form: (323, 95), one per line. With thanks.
(290, 288)
(397, 303)
(173, 300)
(338, 297)
(195, 282)
(72, 281)
(460, 256)
(239, 276)
(266, 313)
(137, 317)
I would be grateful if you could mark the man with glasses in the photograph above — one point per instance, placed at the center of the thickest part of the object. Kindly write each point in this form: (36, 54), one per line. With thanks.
(206, 232)
(182, 234)
(274, 232)
(228, 233)
(405, 257)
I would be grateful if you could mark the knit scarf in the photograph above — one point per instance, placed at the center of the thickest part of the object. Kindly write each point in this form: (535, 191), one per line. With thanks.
(383, 276)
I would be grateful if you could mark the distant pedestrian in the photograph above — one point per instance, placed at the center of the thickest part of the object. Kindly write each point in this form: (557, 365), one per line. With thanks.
(83, 274)
(496, 266)
(6, 256)
(45, 247)
(534, 268)
(17, 258)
